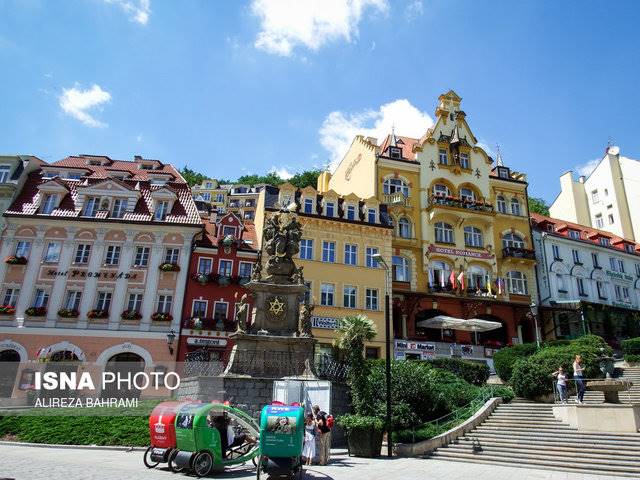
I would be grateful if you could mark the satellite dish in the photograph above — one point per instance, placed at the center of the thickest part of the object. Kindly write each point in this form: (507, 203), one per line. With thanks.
(613, 150)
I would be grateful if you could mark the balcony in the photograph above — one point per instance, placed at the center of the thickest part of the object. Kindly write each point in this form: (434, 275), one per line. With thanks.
(456, 202)
(518, 252)
(396, 199)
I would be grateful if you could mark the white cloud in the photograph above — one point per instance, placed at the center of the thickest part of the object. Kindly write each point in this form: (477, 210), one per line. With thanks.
(283, 172)
(77, 103)
(137, 10)
(414, 9)
(587, 167)
(339, 128)
(286, 24)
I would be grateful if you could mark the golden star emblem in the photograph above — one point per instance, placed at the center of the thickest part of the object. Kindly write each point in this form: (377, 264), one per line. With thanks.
(276, 306)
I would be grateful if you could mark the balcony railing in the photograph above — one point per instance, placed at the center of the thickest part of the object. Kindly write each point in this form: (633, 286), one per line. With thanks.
(518, 252)
(450, 201)
(397, 198)
(202, 323)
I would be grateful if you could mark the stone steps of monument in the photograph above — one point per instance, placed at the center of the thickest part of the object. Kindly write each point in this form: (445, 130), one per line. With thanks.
(604, 447)
(553, 430)
(567, 436)
(526, 423)
(524, 415)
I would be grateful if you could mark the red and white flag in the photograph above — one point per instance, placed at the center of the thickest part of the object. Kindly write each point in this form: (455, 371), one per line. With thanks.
(461, 280)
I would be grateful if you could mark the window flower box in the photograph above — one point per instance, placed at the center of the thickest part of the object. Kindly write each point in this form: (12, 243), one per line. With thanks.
(130, 315)
(36, 311)
(7, 310)
(242, 281)
(169, 267)
(13, 260)
(202, 278)
(98, 313)
(224, 281)
(68, 313)
(196, 324)
(161, 317)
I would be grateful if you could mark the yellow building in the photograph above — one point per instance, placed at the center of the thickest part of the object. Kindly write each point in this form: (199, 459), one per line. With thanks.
(212, 192)
(340, 236)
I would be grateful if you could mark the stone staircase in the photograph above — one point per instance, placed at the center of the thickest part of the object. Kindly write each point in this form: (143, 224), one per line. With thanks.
(632, 396)
(528, 435)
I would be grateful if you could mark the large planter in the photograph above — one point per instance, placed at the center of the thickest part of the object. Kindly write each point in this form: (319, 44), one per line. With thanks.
(365, 442)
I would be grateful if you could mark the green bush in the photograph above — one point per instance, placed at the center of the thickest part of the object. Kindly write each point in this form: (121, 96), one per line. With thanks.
(505, 358)
(531, 375)
(476, 373)
(631, 347)
(632, 358)
(503, 391)
(424, 432)
(349, 422)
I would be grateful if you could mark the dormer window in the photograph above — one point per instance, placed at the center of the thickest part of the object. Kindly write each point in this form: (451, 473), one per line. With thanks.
(629, 248)
(4, 173)
(604, 241)
(330, 209)
(575, 234)
(228, 230)
(73, 176)
(119, 207)
(308, 205)
(372, 214)
(162, 208)
(351, 212)
(551, 227)
(48, 174)
(443, 157)
(395, 152)
(94, 162)
(49, 203)
(208, 185)
(503, 172)
(91, 206)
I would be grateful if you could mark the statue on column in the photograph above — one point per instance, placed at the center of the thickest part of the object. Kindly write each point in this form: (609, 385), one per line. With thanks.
(282, 234)
(241, 314)
(305, 319)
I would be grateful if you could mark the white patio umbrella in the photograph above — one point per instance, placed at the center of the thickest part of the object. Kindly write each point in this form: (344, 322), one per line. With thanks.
(466, 324)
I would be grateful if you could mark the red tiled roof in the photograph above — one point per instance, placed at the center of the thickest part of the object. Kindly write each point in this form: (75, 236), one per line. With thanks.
(248, 234)
(184, 209)
(587, 234)
(405, 143)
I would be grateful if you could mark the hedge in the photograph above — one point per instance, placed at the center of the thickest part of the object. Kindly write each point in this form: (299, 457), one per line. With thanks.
(476, 373)
(631, 349)
(505, 358)
(532, 375)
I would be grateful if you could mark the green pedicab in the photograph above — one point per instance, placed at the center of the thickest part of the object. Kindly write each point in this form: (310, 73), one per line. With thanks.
(204, 442)
(281, 441)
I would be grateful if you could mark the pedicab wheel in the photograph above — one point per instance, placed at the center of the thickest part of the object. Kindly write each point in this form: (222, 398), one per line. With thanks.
(202, 464)
(147, 459)
(259, 466)
(172, 466)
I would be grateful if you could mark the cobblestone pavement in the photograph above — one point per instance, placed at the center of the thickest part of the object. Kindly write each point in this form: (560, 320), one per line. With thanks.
(33, 463)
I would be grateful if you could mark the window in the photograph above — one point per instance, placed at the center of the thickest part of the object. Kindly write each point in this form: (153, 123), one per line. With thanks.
(41, 298)
(171, 255)
(595, 198)
(581, 290)
(404, 228)
(440, 190)
(601, 290)
(164, 303)
(629, 248)
(503, 172)
(219, 198)
(104, 301)
(395, 185)
(369, 261)
(625, 295)
(444, 232)
(502, 204)
(11, 297)
(372, 353)
(328, 252)
(594, 260)
(330, 209)
(562, 288)
(464, 160)
(610, 217)
(637, 269)
(162, 208)
(199, 309)
(350, 294)
(604, 241)
(576, 257)
(395, 152)
(135, 302)
(400, 269)
(440, 273)
(228, 230)
(372, 215)
(142, 256)
(515, 206)
(327, 291)
(618, 291)
(220, 311)
(22, 248)
(443, 157)
(556, 252)
(371, 299)
(574, 234)
(517, 283)
(225, 268)
(306, 249)
(82, 253)
(208, 185)
(245, 269)
(599, 222)
(48, 204)
(249, 215)
(351, 212)
(308, 205)
(620, 266)
(206, 196)
(467, 194)
(205, 265)
(119, 207)
(52, 253)
(350, 254)
(4, 173)
(113, 255)
(512, 240)
(473, 237)
(91, 207)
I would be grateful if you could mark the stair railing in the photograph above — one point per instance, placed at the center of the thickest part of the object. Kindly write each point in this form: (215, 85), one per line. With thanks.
(573, 390)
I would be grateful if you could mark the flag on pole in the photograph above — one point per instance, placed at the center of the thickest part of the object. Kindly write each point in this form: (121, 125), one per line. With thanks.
(430, 278)
(452, 279)
(489, 285)
(461, 280)
(442, 279)
(500, 286)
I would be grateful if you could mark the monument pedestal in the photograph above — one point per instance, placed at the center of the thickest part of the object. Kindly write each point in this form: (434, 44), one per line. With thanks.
(600, 417)
(277, 307)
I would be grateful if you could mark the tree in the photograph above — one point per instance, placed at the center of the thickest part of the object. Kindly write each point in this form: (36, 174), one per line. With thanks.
(538, 205)
(192, 177)
(304, 179)
(270, 178)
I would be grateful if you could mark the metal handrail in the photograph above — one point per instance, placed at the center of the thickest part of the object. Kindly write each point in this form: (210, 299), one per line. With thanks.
(556, 396)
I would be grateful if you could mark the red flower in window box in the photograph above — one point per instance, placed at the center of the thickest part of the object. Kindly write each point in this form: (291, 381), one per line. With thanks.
(161, 317)
(13, 260)
(98, 313)
(7, 310)
(36, 311)
(131, 315)
(68, 313)
(169, 267)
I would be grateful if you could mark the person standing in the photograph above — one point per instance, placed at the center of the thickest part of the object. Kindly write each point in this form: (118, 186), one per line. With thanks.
(561, 384)
(578, 376)
(324, 443)
(310, 430)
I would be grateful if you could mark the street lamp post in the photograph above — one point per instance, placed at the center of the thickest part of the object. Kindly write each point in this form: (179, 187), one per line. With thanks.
(534, 313)
(387, 329)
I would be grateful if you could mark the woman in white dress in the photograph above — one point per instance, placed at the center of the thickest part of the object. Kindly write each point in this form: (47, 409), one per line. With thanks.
(309, 448)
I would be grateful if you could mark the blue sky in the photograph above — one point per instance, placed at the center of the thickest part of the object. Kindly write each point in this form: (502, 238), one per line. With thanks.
(229, 87)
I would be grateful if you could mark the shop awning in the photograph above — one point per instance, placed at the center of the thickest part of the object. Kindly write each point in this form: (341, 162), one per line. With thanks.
(453, 323)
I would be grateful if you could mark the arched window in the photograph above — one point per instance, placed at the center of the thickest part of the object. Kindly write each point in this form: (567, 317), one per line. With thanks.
(444, 232)
(473, 237)
(477, 278)
(467, 194)
(400, 269)
(517, 283)
(404, 228)
(440, 273)
(515, 206)
(395, 185)
(502, 204)
(512, 240)
(440, 190)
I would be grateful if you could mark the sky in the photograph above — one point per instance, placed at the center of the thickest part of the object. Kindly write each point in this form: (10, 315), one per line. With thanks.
(250, 86)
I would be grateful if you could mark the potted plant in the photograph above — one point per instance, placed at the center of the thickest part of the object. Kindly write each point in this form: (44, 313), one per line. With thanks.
(202, 278)
(95, 313)
(36, 311)
(364, 434)
(7, 310)
(224, 281)
(196, 324)
(161, 317)
(169, 267)
(13, 260)
(68, 313)
(131, 315)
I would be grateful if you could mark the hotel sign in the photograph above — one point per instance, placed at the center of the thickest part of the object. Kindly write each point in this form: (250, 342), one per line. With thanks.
(206, 342)
(78, 274)
(458, 252)
(327, 323)
(621, 277)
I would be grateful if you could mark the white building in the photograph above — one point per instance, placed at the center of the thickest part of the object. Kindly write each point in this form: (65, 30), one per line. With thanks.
(588, 281)
(605, 198)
